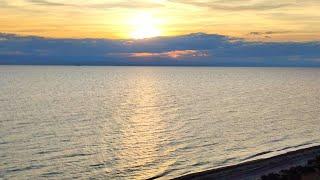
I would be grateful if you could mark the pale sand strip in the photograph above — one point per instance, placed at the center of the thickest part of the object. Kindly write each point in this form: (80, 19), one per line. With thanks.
(255, 169)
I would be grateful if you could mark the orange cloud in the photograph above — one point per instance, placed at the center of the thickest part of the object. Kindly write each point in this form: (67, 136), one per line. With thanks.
(172, 54)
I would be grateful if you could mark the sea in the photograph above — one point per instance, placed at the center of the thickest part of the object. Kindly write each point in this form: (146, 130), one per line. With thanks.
(86, 122)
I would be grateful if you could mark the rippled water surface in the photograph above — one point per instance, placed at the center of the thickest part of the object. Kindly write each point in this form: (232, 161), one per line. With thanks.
(146, 122)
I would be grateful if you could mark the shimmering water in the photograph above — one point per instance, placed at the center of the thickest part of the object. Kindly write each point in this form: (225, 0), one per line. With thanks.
(144, 122)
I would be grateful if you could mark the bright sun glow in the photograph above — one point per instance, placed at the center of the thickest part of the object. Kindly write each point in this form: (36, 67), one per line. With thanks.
(145, 26)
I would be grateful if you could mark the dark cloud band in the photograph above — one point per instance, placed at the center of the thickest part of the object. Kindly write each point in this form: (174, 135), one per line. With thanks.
(193, 49)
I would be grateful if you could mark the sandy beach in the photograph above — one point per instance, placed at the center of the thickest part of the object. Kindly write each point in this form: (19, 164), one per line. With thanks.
(267, 167)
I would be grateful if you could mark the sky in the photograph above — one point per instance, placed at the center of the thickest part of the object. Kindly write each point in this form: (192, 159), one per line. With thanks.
(160, 32)
(252, 20)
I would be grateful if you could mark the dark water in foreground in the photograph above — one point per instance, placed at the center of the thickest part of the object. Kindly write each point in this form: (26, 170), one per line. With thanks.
(143, 122)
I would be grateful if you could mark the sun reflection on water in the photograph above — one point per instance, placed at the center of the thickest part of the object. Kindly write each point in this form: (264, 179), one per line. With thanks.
(142, 136)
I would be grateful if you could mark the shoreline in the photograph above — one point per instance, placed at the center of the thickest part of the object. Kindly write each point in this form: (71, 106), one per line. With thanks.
(255, 169)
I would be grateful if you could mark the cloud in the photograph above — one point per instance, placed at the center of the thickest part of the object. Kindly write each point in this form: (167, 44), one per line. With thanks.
(3, 3)
(269, 32)
(12, 6)
(235, 5)
(192, 49)
(177, 54)
(303, 17)
(122, 4)
(48, 3)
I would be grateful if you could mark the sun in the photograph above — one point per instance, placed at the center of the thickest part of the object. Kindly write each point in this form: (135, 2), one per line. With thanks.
(145, 26)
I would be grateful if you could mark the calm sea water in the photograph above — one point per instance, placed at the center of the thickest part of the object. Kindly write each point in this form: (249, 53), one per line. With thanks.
(145, 122)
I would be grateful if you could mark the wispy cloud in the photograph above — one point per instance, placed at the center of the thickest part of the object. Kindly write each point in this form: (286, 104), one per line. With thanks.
(121, 4)
(269, 32)
(232, 6)
(177, 54)
(48, 3)
(3, 3)
(294, 16)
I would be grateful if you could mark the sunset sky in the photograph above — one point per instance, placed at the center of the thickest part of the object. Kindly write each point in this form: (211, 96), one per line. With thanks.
(263, 20)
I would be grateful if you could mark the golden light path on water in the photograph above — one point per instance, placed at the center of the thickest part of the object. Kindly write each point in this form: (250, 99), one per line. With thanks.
(142, 137)
(140, 141)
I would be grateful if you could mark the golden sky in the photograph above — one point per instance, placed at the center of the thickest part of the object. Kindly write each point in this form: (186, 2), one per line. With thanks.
(267, 20)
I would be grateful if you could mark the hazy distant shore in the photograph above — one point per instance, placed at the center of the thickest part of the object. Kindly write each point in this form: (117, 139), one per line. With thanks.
(287, 163)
